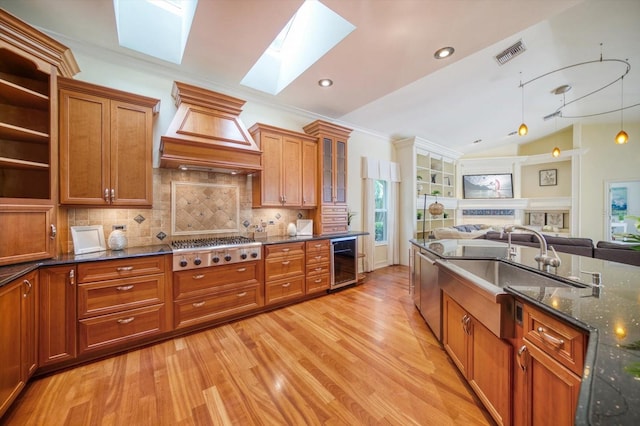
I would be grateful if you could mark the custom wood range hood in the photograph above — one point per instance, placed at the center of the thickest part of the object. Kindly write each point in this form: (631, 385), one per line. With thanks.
(206, 134)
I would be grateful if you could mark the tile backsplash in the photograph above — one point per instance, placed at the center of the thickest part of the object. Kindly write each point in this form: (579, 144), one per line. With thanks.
(153, 226)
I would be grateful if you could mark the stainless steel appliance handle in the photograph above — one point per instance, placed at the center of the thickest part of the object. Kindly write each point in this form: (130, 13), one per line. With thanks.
(332, 265)
(428, 259)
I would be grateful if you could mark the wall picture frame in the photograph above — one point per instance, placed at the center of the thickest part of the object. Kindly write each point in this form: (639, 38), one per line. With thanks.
(548, 177)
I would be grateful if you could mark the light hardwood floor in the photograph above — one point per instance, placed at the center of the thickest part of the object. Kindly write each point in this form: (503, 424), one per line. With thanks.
(359, 356)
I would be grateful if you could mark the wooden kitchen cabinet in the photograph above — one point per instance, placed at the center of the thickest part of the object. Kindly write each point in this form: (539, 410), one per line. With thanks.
(285, 179)
(30, 63)
(284, 272)
(331, 215)
(17, 337)
(106, 139)
(214, 293)
(57, 315)
(484, 359)
(318, 265)
(548, 371)
(122, 301)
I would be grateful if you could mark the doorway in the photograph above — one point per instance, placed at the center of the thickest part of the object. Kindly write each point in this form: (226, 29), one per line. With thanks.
(622, 199)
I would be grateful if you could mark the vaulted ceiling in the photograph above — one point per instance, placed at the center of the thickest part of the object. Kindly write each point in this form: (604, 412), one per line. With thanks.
(386, 79)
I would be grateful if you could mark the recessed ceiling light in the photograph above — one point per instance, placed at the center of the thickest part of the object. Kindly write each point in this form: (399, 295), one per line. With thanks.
(444, 52)
(477, 141)
(325, 82)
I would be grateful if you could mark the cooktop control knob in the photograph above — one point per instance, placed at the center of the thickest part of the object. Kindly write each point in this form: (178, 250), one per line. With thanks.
(254, 254)
(227, 257)
(183, 262)
(243, 255)
(215, 259)
(197, 261)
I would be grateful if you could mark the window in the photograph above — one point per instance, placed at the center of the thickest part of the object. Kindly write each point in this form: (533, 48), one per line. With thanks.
(381, 206)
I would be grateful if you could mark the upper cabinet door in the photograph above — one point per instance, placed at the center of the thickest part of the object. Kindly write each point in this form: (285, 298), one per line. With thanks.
(340, 175)
(309, 173)
(84, 149)
(131, 157)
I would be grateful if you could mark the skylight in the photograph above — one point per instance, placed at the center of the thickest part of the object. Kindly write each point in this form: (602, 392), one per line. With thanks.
(158, 28)
(310, 33)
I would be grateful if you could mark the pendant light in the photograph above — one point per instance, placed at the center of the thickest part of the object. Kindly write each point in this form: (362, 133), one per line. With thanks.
(436, 208)
(523, 129)
(622, 137)
(556, 152)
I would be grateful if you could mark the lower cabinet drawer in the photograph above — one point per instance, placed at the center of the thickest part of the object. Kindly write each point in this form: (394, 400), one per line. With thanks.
(218, 305)
(105, 297)
(187, 284)
(283, 267)
(318, 283)
(328, 228)
(113, 329)
(318, 269)
(277, 291)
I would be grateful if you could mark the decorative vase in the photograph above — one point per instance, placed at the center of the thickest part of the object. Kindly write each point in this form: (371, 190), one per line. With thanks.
(117, 240)
(291, 230)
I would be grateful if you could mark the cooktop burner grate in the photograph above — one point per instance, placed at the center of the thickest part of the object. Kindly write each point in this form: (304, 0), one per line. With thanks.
(211, 242)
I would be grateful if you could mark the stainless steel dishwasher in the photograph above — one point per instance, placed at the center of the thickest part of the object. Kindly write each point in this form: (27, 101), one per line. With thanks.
(430, 297)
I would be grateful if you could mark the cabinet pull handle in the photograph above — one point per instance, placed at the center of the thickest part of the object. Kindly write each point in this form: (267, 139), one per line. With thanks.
(124, 268)
(521, 352)
(124, 287)
(318, 269)
(285, 250)
(54, 232)
(126, 320)
(286, 262)
(198, 304)
(113, 195)
(198, 277)
(244, 293)
(318, 245)
(242, 269)
(285, 285)
(319, 280)
(549, 338)
(29, 287)
(106, 195)
(72, 277)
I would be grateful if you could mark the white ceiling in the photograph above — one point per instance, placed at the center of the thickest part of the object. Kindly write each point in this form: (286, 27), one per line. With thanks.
(385, 77)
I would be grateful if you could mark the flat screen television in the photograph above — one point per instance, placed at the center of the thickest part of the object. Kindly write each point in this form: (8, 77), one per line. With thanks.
(487, 186)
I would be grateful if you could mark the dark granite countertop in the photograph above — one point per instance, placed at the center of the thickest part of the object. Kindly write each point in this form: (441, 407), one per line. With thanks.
(287, 239)
(610, 392)
(11, 272)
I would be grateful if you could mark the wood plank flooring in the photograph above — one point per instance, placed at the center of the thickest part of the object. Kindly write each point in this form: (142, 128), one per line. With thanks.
(361, 356)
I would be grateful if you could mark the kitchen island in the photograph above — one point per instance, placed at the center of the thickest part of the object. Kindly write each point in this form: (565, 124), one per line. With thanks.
(610, 388)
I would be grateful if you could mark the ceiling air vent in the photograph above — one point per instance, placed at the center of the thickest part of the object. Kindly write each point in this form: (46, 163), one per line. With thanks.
(510, 52)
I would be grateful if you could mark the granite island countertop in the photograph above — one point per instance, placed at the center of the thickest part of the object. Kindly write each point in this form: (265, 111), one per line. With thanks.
(610, 390)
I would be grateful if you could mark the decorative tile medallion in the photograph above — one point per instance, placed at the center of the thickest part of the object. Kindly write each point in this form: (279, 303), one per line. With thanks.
(161, 236)
(139, 218)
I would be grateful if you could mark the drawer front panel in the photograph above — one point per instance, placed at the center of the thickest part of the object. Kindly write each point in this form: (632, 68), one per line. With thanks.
(318, 283)
(318, 269)
(284, 289)
(561, 341)
(334, 210)
(113, 269)
(334, 228)
(281, 250)
(318, 251)
(114, 329)
(280, 268)
(104, 297)
(208, 308)
(213, 279)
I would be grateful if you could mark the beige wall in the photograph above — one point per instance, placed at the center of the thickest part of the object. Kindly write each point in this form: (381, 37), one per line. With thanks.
(530, 177)
(604, 161)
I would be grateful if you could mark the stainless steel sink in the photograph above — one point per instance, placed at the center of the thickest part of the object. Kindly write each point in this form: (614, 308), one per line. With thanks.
(503, 274)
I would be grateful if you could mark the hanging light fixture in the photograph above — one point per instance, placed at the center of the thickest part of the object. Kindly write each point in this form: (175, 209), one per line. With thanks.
(622, 137)
(436, 208)
(523, 129)
(556, 152)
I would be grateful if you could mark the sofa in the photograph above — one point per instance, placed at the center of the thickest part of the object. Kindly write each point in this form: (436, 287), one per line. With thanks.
(623, 253)
(571, 245)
